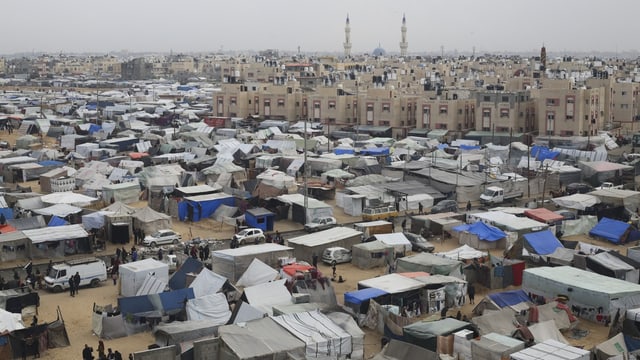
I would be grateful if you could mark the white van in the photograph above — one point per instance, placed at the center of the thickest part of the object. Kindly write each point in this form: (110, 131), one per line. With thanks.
(92, 272)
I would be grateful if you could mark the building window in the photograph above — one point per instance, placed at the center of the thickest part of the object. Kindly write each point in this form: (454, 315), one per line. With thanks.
(552, 102)
(233, 101)
(384, 123)
(624, 106)
(551, 122)
(250, 74)
(502, 129)
(280, 102)
(386, 107)
(505, 99)
(332, 104)
(442, 126)
(444, 109)
(486, 98)
(504, 113)
(623, 93)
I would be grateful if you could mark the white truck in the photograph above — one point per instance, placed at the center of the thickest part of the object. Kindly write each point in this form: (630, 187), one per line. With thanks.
(92, 272)
(609, 186)
(495, 195)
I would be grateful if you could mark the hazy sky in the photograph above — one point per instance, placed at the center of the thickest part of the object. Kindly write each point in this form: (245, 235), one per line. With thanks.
(210, 25)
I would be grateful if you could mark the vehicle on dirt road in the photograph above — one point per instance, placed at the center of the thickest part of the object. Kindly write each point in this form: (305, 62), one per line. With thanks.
(161, 237)
(249, 236)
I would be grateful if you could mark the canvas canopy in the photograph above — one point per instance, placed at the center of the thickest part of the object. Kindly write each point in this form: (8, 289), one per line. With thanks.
(391, 283)
(543, 215)
(67, 198)
(178, 332)
(398, 241)
(425, 334)
(464, 252)
(150, 220)
(482, 231)
(371, 254)
(257, 273)
(232, 263)
(207, 282)
(576, 201)
(213, 308)
(264, 296)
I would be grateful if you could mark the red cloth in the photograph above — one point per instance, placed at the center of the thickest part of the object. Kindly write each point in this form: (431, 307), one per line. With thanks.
(517, 269)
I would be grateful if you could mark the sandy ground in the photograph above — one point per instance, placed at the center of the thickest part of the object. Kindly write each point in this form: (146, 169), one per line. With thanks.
(77, 310)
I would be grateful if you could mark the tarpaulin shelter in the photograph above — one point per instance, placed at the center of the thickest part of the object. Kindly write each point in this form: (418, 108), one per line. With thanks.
(118, 222)
(57, 221)
(425, 333)
(501, 321)
(541, 242)
(196, 208)
(207, 282)
(590, 295)
(429, 263)
(155, 305)
(371, 254)
(178, 332)
(543, 215)
(612, 264)
(150, 220)
(400, 350)
(495, 346)
(211, 307)
(322, 337)
(133, 274)
(464, 252)
(481, 236)
(576, 201)
(267, 339)
(517, 300)
(126, 192)
(257, 273)
(348, 324)
(15, 246)
(58, 241)
(178, 279)
(358, 300)
(612, 230)
(232, 263)
(305, 246)
(264, 296)
(108, 323)
(398, 241)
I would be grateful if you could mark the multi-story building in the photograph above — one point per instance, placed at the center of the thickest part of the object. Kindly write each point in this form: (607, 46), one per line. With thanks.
(570, 112)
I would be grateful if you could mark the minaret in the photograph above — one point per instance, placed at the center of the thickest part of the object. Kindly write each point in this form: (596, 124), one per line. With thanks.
(543, 58)
(347, 39)
(404, 44)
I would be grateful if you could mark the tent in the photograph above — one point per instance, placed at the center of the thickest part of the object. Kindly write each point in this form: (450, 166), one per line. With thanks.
(257, 273)
(15, 246)
(576, 201)
(517, 300)
(267, 339)
(232, 263)
(322, 337)
(126, 192)
(481, 236)
(207, 282)
(464, 252)
(306, 245)
(429, 263)
(265, 296)
(358, 300)
(541, 242)
(212, 307)
(178, 279)
(495, 346)
(614, 231)
(346, 322)
(107, 323)
(155, 305)
(150, 220)
(590, 295)
(58, 241)
(501, 322)
(550, 349)
(133, 274)
(371, 254)
(178, 332)
(196, 208)
(426, 333)
(400, 350)
(398, 241)
(543, 215)
(612, 264)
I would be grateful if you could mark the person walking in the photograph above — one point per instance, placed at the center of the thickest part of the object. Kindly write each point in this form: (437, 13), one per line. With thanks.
(404, 225)
(101, 354)
(76, 282)
(469, 205)
(420, 208)
(160, 254)
(471, 291)
(87, 353)
(314, 260)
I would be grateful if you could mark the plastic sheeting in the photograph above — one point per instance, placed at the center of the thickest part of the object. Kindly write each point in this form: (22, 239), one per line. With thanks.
(580, 226)
(207, 282)
(576, 201)
(264, 296)
(542, 242)
(614, 231)
(257, 273)
(464, 252)
(213, 308)
(267, 339)
(482, 231)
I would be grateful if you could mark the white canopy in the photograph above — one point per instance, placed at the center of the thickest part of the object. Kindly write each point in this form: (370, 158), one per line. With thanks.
(213, 307)
(257, 273)
(264, 296)
(576, 201)
(464, 252)
(67, 198)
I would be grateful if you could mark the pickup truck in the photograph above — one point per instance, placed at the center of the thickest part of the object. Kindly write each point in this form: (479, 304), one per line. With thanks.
(495, 195)
(609, 186)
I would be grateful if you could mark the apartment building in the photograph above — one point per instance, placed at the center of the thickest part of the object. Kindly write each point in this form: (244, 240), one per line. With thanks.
(504, 111)
(570, 112)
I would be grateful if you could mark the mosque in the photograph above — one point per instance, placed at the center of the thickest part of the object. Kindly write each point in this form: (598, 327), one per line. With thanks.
(379, 51)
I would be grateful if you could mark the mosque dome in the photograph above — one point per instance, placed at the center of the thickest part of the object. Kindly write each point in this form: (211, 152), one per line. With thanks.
(379, 52)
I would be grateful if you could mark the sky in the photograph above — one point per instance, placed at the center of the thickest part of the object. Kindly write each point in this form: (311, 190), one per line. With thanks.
(75, 26)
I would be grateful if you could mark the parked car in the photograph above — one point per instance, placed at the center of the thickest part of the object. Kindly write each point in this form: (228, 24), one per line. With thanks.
(164, 236)
(445, 206)
(250, 235)
(320, 223)
(336, 255)
(578, 188)
(419, 243)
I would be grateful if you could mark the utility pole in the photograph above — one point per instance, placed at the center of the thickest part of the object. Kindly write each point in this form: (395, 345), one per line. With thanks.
(306, 192)
(528, 169)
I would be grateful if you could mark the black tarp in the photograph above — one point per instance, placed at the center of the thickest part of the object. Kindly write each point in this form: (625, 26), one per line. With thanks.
(17, 303)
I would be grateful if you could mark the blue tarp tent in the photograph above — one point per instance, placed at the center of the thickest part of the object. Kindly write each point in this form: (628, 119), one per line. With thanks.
(200, 207)
(464, 147)
(541, 242)
(155, 304)
(359, 296)
(179, 278)
(612, 230)
(482, 231)
(94, 128)
(57, 221)
(340, 151)
(375, 151)
(509, 298)
(542, 153)
(51, 163)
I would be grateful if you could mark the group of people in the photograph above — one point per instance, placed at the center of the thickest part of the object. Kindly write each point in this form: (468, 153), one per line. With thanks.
(74, 284)
(275, 238)
(138, 235)
(201, 252)
(87, 353)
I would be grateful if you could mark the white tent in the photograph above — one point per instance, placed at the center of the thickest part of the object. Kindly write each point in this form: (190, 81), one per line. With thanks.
(576, 201)
(266, 337)
(207, 282)
(257, 273)
(323, 338)
(10, 321)
(67, 198)
(398, 241)
(133, 274)
(464, 252)
(264, 296)
(212, 307)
